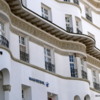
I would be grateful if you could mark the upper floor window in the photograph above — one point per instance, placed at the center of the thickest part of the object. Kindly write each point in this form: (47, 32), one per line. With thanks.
(78, 26)
(95, 80)
(73, 68)
(23, 49)
(94, 76)
(76, 2)
(67, 0)
(49, 60)
(3, 40)
(88, 14)
(46, 12)
(2, 29)
(68, 20)
(83, 69)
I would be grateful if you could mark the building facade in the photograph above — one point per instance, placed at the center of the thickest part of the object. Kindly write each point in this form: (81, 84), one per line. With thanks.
(48, 50)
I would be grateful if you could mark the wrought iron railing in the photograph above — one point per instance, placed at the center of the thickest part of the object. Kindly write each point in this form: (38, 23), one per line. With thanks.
(84, 74)
(69, 29)
(24, 56)
(74, 72)
(89, 17)
(50, 67)
(96, 86)
(76, 2)
(4, 42)
(78, 31)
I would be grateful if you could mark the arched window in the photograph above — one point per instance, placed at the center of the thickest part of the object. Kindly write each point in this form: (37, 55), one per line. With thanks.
(87, 97)
(77, 97)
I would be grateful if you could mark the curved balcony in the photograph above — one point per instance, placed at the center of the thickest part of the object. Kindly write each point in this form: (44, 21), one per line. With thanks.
(4, 42)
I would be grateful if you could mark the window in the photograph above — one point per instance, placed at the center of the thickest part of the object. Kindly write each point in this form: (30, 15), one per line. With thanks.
(68, 20)
(78, 26)
(52, 96)
(49, 62)
(83, 69)
(95, 80)
(46, 12)
(26, 92)
(73, 68)
(2, 29)
(67, 0)
(3, 41)
(23, 49)
(88, 14)
(76, 2)
(94, 76)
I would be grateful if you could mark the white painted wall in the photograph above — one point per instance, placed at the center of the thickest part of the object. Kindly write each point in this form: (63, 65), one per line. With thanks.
(14, 45)
(36, 53)
(62, 65)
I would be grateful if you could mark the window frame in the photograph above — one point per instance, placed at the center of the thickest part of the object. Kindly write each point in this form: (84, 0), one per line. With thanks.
(46, 56)
(44, 15)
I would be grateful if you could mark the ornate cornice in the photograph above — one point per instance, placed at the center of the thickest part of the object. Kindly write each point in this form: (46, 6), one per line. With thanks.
(61, 47)
(93, 61)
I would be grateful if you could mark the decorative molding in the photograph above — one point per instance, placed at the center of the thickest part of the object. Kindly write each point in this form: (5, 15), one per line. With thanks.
(95, 3)
(6, 87)
(95, 90)
(93, 61)
(44, 39)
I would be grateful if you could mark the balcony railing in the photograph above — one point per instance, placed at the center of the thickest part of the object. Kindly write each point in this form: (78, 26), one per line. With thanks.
(84, 74)
(50, 67)
(78, 31)
(96, 86)
(76, 2)
(24, 56)
(4, 42)
(69, 29)
(74, 72)
(89, 17)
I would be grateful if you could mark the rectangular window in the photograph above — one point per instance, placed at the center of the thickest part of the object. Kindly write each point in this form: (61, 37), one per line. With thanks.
(78, 26)
(73, 68)
(46, 12)
(52, 96)
(67, 0)
(88, 14)
(49, 60)
(95, 80)
(68, 20)
(23, 49)
(83, 69)
(26, 92)
(76, 2)
(94, 76)
(2, 29)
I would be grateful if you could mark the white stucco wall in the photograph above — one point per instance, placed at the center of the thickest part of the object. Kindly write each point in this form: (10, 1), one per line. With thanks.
(36, 55)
